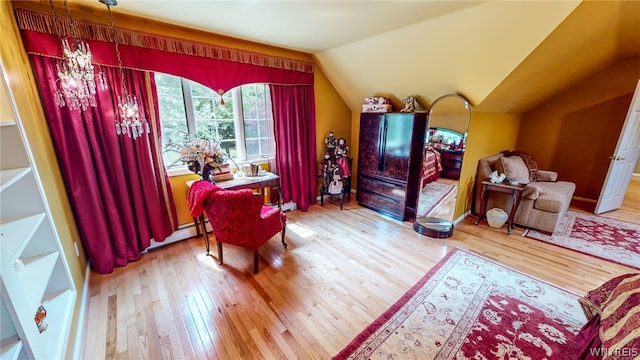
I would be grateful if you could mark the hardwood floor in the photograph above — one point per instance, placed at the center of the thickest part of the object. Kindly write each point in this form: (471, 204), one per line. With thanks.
(341, 271)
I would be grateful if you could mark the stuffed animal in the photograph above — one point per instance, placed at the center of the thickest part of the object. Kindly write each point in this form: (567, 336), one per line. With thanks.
(409, 104)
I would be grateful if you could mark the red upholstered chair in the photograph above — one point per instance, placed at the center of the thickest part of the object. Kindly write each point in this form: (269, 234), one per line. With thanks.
(239, 217)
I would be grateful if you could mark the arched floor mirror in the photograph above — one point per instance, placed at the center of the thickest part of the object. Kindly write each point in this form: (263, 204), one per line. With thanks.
(445, 142)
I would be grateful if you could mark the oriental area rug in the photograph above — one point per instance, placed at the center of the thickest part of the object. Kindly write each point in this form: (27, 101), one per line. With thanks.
(469, 307)
(609, 239)
(432, 195)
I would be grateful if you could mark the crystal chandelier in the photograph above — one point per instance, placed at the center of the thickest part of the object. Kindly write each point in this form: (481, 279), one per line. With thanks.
(76, 84)
(129, 120)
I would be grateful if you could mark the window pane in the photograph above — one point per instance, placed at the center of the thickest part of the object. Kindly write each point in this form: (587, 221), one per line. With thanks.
(201, 90)
(253, 148)
(168, 85)
(226, 130)
(207, 129)
(263, 126)
(264, 145)
(172, 114)
(171, 107)
(249, 108)
(250, 128)
(229, 148)
(225, 111)
(203, 108)
(256, 113)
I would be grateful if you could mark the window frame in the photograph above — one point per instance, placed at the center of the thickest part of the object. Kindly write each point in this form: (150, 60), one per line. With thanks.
(238, 122)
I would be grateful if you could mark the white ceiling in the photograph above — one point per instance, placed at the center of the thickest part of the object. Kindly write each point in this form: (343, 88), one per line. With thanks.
(308, 26)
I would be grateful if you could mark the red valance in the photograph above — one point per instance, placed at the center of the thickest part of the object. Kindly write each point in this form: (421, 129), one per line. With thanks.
(216, 67)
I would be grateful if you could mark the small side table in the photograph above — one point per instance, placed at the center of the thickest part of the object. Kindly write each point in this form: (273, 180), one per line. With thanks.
(514, 190)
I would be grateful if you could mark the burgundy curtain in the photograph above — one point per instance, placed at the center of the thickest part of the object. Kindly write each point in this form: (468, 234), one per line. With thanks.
(295, 135)
(118, 187)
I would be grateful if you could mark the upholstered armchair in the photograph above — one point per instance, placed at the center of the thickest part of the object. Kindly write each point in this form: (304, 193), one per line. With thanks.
(239, 217)
(545, 199)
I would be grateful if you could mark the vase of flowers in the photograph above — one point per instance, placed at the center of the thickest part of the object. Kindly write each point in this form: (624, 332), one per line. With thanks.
(202, 156)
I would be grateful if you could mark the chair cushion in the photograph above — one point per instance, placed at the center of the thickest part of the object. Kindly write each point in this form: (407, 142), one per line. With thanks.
(554, 196)
(514, 168)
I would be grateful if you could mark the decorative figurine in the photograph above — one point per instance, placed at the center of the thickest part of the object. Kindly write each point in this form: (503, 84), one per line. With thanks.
(336, 187)
(326, 170)
(409, 104)
(342, 159)
(331, 143)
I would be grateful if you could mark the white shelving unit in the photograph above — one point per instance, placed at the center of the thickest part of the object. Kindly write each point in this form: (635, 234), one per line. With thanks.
(33, 269)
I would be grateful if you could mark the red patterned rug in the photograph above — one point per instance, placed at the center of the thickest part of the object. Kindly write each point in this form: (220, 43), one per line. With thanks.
(432, 195)
(469, 307)
(598, 236)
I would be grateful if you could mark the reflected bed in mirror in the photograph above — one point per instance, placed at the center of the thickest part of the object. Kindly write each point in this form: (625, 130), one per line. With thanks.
(441, 138)
(445, 142)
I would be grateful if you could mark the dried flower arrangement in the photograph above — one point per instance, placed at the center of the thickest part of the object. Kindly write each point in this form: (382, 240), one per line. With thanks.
(198, 152)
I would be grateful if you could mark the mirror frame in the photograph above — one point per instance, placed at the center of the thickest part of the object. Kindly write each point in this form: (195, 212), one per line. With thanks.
(433, 226)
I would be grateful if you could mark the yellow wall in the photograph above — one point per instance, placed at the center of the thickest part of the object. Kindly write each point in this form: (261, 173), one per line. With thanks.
(332, 114)
(179, 191)
(576, 131)
(489, 133)
(19, 75)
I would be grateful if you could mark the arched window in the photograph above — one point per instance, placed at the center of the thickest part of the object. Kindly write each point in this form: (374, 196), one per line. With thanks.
(241, 120)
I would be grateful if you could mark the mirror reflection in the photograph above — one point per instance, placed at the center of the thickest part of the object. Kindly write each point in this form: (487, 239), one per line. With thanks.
(445, 142)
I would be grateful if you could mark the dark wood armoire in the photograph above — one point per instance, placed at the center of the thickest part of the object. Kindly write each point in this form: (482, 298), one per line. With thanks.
(390, 162)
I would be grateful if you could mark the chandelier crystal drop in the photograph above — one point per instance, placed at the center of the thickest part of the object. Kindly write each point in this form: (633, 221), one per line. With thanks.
(76, 83)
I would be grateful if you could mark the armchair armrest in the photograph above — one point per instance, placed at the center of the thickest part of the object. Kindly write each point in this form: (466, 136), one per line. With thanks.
(531, 191)
(547, 175)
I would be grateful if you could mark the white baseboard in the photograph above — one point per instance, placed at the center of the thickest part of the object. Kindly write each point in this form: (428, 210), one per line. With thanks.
(289, 206)
(183, 233)
(78, 346)
(461, 217)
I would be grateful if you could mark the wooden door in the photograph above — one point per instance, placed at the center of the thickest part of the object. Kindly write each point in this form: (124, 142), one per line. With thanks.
(623, 160)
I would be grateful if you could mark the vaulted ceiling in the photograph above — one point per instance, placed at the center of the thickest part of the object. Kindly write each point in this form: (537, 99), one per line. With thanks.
(504, 56)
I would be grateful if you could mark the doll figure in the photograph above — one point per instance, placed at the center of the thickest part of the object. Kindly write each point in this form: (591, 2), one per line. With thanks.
(331, 144)
(326, 169)
(342, 159)
(336, 186)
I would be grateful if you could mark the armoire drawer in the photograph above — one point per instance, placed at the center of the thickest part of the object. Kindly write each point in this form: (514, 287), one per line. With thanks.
(382, 196)
(381, 203)
(389, 190)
